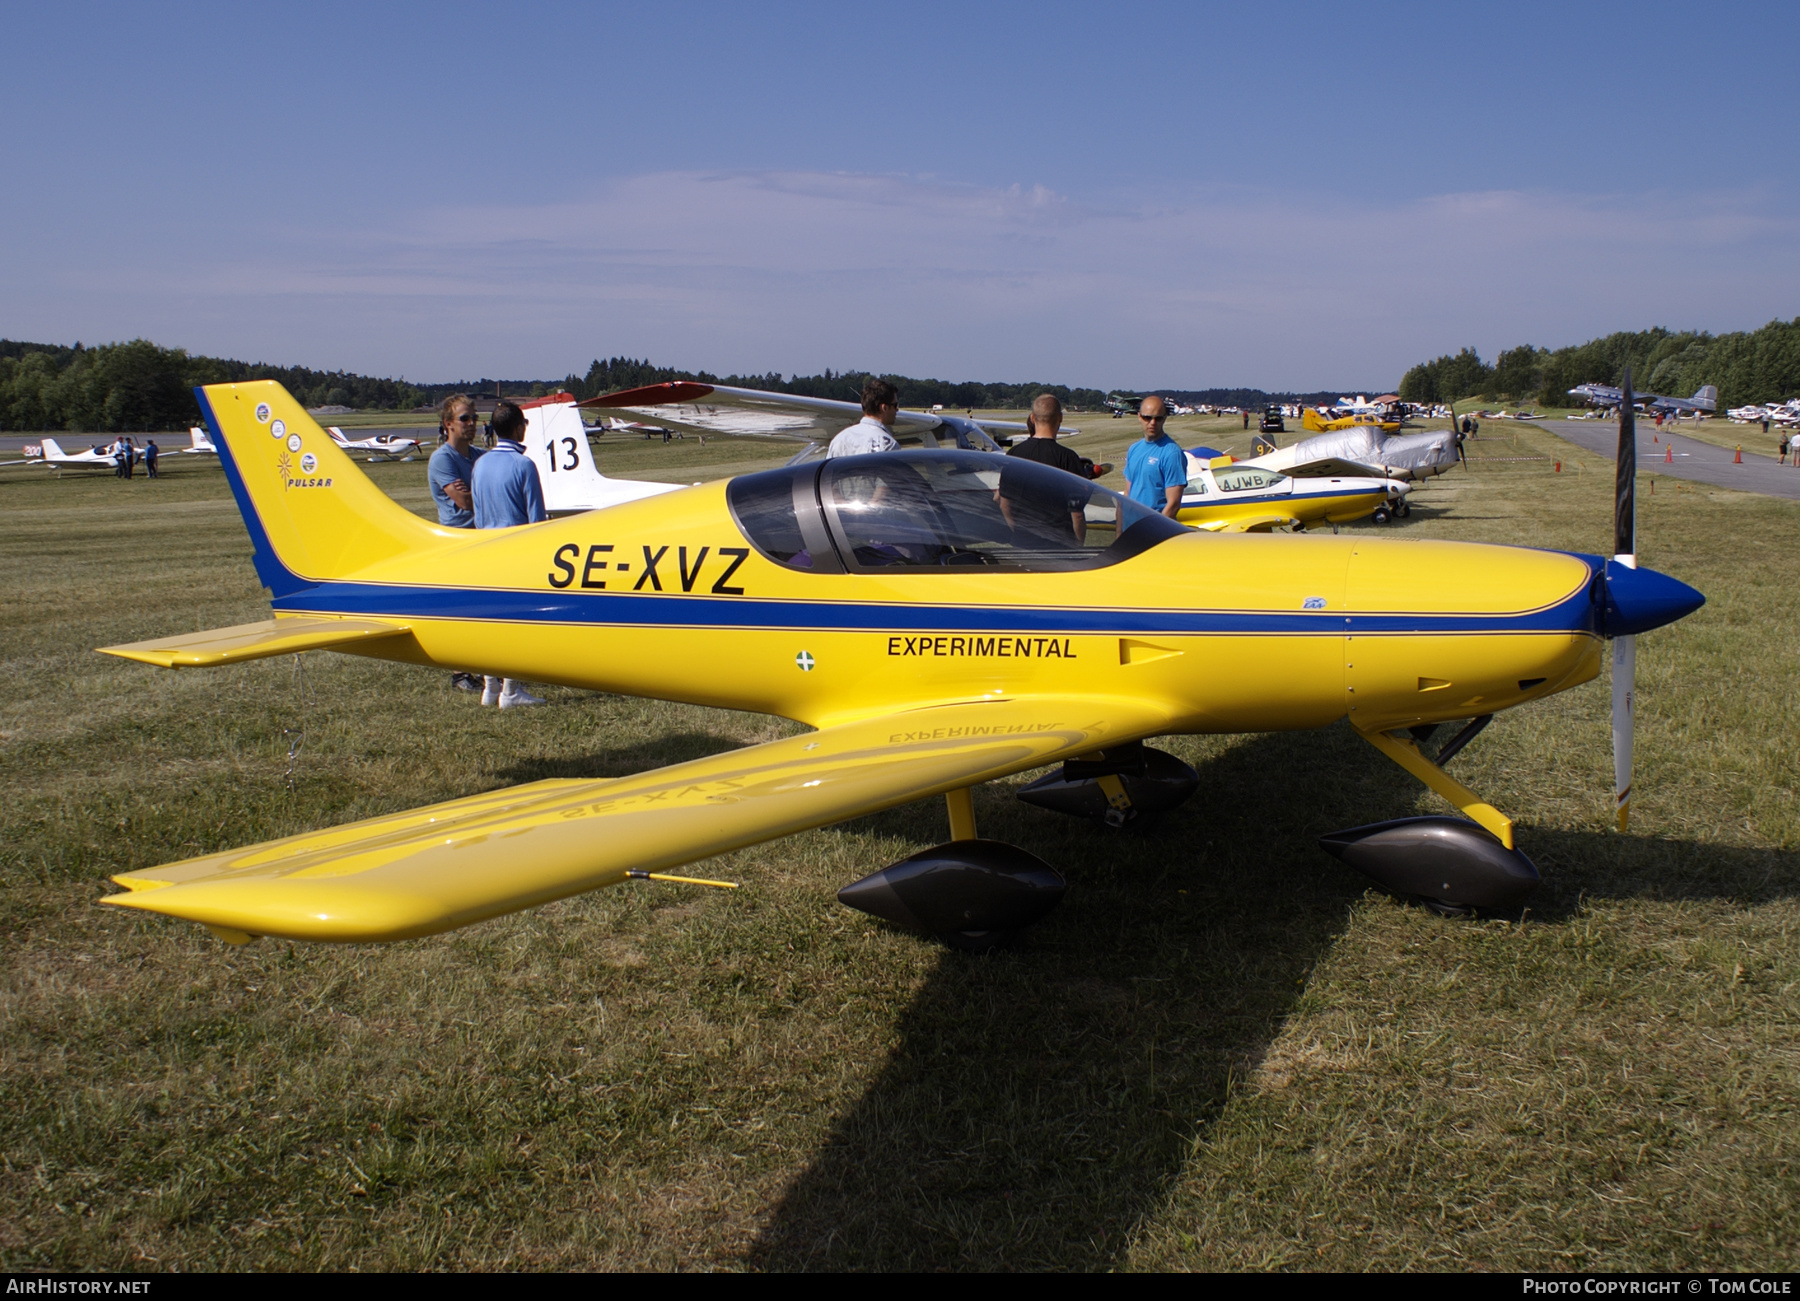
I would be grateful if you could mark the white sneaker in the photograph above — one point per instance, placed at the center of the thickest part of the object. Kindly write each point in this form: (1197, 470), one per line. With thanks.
(491, 691)
(518, 696)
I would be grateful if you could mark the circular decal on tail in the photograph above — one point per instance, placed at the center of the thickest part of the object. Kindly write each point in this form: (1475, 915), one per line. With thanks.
(262, 412)
(308, 463)
(293, 442)
(278, 429)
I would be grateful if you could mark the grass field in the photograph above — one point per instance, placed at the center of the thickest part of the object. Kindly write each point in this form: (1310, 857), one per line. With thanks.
(1222, 1052)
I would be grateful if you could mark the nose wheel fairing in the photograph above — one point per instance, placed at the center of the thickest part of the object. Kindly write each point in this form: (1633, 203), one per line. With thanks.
(1448, 862)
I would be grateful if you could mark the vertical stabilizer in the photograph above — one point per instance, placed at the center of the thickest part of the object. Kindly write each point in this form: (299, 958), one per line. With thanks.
(556, 439)
(312, 514)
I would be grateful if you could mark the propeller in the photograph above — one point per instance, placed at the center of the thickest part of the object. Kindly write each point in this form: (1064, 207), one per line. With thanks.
(1624, 665)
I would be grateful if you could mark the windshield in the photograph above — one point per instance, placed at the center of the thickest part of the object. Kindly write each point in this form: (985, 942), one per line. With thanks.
(942, 510)
(939, 510)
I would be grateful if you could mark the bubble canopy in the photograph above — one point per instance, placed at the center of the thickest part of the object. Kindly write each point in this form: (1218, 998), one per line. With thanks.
(938, 510)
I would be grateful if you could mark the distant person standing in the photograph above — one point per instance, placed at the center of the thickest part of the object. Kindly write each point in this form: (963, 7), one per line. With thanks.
(875, 431)
(1155, 468)
(507, 493)
(151, 452)
(1045, 419)
(450, 471)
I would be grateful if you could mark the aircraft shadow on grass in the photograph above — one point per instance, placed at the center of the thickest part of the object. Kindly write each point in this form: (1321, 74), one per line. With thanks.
(1042, 1101)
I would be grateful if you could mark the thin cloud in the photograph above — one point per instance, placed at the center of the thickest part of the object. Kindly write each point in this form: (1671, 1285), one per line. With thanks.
(756, 271)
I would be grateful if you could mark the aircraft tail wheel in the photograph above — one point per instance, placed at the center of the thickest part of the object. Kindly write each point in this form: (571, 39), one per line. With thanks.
(1381, 515)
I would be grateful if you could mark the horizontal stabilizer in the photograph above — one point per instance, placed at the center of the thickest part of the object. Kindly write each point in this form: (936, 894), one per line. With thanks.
(254, 641)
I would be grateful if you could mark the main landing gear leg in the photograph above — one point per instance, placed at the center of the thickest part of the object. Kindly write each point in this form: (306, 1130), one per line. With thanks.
(962, 812)
(972, 894)
(1453, 864)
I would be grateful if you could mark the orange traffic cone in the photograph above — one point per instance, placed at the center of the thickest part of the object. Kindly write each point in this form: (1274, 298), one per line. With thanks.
(1559, 467)
(1739, 458)
(1669, 454)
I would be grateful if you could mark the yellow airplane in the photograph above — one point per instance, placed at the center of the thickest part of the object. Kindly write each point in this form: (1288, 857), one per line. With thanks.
(1314, 423)
(942, 618)
(1223, 496)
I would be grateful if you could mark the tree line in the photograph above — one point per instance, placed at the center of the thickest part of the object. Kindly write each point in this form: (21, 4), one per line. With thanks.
(1251, 398)
(120, 387)
(845, 386)
(1747, 366)
(139, 386)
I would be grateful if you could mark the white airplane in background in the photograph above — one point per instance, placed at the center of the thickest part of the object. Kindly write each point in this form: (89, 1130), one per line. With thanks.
(1366, 451)
(381, 447)
(692, 407)
(202, 444)
(50, 453)
(1781, 413)
(557, 440)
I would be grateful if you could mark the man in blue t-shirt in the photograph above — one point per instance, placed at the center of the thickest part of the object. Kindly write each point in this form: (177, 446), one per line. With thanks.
(451, 470)
(1155, 468)
(507, 493)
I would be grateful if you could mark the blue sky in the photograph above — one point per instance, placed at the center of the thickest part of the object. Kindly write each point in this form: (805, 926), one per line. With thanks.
(1183, 195)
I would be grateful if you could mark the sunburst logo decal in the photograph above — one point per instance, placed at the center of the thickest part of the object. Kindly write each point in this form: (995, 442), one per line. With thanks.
(285, 465)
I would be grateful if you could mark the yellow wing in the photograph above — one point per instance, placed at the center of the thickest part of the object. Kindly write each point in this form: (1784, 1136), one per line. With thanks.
(447, 865)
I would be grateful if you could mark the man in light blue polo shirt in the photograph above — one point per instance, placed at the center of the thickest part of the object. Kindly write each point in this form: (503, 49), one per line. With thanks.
(507, 492)
(1155, 468)
(505, 482)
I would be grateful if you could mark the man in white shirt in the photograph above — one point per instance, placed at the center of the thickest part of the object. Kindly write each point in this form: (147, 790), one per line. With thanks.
(874, 432)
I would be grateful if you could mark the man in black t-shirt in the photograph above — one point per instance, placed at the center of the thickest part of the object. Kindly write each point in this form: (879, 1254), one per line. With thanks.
(1042, 447)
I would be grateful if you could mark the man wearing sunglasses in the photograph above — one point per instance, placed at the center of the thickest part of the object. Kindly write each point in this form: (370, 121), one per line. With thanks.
(451, 471)
(1155, 468)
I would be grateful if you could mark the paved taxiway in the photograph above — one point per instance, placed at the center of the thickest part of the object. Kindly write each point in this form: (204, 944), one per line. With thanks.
(1701, 462)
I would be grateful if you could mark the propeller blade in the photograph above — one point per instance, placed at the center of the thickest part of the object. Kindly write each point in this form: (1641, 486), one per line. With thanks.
(1624, 666)
(1625, 491)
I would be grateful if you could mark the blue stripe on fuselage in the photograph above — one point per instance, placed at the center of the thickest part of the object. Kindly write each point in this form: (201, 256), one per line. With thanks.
(1233, 499)
(1574, 613)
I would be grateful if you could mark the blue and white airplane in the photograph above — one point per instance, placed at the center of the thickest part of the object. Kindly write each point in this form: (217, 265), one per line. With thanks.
(1705, 400)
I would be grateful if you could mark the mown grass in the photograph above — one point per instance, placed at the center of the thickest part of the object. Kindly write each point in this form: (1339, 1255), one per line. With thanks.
(1221, 1052)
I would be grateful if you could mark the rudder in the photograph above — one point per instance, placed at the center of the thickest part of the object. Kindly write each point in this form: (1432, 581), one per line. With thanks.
(313, 515)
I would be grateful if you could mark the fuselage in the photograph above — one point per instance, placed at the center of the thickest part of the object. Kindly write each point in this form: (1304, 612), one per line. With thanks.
(1237, 492)
(669, 598)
